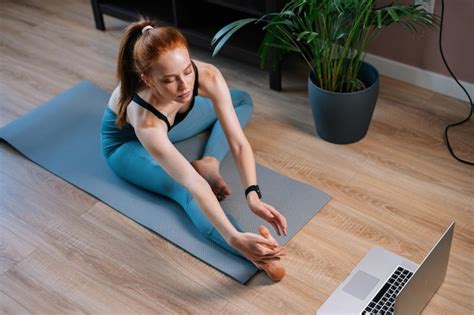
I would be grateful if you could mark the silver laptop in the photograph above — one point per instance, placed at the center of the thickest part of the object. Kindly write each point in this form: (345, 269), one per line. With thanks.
(385, 283)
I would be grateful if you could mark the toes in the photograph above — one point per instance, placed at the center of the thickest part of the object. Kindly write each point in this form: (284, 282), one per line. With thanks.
(220, 189)
(216, 190)
(221, 195)
(224, 188)
(221, 192)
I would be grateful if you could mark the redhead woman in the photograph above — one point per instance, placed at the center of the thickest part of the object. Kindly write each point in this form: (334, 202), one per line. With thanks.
(163, 97)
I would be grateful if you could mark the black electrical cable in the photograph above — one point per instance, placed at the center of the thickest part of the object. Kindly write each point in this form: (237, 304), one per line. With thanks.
(462, 87)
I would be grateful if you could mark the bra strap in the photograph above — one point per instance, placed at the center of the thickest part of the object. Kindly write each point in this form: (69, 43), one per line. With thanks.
(140, 101)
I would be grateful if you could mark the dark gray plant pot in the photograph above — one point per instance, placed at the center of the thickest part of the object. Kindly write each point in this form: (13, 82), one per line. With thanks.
(344, 117)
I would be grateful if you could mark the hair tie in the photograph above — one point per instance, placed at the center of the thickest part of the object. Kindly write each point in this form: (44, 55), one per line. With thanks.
(146, 28)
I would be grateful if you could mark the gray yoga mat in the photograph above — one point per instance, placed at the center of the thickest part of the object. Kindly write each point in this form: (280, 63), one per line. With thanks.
(63, 136)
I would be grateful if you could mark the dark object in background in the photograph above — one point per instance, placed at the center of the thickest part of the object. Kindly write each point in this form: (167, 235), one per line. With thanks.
(199, 20)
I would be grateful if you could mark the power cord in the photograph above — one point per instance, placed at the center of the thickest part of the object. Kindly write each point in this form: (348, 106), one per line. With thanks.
(462, 87)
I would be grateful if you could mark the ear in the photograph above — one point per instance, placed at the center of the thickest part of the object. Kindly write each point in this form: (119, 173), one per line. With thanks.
(146, 80)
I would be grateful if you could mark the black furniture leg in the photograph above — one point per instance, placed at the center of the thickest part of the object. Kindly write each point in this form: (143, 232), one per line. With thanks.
(98, 16)
(275, 77)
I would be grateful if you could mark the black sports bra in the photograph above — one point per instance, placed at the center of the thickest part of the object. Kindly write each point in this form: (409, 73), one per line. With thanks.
(179, 116)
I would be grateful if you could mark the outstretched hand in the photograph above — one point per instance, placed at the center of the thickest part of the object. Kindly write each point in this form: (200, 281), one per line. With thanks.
(269, 214)
(257, 248)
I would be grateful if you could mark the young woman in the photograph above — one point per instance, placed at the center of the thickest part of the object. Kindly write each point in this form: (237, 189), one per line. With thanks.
(159, 86)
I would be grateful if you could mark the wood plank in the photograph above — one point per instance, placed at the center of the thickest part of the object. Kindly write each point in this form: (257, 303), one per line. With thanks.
(13, 249)
(9, 306)
(33, 296)
(80, 291)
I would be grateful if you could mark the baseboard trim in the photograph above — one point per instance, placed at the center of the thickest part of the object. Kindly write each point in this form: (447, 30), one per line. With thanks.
(419, 77)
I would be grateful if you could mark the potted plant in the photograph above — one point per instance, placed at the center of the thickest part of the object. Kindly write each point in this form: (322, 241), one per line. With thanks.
(332, 37)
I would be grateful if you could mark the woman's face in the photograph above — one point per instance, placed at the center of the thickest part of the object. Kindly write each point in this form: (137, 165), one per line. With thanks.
(172, 76)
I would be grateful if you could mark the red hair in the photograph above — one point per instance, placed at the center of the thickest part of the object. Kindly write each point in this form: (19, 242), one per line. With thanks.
(137, 53)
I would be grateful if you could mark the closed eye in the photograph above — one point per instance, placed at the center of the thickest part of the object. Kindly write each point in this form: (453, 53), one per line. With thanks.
(188, 71)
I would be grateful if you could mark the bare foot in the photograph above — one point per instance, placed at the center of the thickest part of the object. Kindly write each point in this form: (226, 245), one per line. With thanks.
(273, 268)
(208, 167)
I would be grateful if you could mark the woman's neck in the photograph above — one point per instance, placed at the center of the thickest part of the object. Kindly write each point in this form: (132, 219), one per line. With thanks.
(167, 108)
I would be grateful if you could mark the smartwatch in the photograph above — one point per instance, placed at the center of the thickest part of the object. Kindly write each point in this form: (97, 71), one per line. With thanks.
(253, 188)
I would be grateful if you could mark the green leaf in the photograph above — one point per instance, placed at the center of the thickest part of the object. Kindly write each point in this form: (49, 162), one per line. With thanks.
(311, 37)
(287, 12)
(393, 14)
(281, 46)
(226, 37)
(302, 34)
(281, 22)
(341, 35)
(229, 28)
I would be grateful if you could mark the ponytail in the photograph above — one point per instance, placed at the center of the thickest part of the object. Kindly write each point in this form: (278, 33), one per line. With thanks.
(127, 73)
(142, 43)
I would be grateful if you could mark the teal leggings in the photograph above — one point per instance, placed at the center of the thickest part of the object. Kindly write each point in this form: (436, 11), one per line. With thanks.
(133, 163)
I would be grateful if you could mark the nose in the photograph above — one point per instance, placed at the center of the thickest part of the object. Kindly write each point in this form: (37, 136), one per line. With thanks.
(182, 84)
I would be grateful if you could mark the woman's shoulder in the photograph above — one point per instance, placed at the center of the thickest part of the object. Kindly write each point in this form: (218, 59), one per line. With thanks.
(114, 98)
(209, 75)
(113, 104)
(136, 116)
(206, 70)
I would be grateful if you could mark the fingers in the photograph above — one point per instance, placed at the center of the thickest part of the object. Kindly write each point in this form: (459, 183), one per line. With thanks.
(275, 226)
(277, 252)
(283, 223)
(268, 243)
(268, 254)
(280, 220)
(265, 250)
(280, 251)
(268, 214)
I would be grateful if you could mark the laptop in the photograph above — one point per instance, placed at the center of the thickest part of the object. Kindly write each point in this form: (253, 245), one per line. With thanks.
(385, 283)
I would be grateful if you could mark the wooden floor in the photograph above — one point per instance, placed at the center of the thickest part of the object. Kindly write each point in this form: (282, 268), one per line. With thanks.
(63, 251)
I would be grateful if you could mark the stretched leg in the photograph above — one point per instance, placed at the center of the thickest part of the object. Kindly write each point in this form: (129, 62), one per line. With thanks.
(133, 163)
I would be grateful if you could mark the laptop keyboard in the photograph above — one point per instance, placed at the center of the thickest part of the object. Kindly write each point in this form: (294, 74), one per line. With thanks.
(383, 302)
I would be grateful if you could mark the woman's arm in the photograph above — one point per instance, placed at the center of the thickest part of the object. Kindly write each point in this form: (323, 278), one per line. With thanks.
(176, 165)
(215, 86)
(254, 247)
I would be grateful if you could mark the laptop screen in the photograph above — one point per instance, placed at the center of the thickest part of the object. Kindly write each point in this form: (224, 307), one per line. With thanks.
(427, 279)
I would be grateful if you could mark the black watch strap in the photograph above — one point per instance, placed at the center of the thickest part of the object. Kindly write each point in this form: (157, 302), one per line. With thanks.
(253, 188)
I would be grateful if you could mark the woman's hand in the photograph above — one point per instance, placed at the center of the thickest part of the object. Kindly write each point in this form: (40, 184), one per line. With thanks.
(269, 214)
(257, 248)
